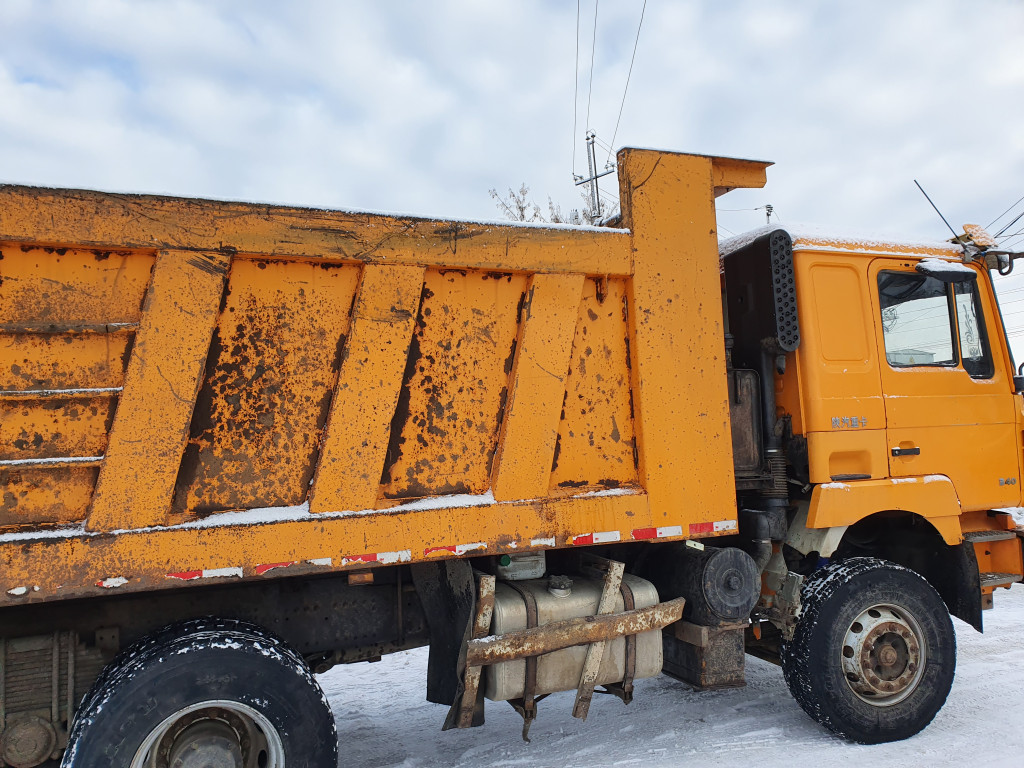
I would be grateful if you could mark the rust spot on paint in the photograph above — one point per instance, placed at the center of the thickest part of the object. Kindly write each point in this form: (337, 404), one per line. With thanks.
(267, 389)
(445, 428)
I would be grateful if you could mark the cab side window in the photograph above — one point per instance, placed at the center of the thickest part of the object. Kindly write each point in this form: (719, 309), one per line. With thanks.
(928, 322)
(917, 320)
(974, 348)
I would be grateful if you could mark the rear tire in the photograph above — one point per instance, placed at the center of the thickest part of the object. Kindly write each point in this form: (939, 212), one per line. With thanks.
(205, 692)
(874, 652)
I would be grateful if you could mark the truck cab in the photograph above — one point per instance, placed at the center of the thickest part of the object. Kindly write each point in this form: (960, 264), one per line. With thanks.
(897, 406)
(888, 420)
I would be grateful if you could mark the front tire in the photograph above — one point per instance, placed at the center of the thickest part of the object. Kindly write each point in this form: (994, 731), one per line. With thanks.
(874, 652)
(205, 692)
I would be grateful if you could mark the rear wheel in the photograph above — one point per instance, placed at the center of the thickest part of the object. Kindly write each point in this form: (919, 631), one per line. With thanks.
(874, 652)
(201, 693)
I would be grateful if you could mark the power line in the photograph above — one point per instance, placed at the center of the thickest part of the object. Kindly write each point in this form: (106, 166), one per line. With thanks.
(997, 218)
(1014, 234)
(735, 210)
(1013, 240)
(593, 50)
(1018, 218)
(628, 75)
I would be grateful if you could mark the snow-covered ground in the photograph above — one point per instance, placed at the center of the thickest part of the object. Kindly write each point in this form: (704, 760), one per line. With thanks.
(383, 719)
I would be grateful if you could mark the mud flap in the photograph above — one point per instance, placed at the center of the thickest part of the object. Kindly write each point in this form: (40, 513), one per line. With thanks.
(959, 584)
(448, 594)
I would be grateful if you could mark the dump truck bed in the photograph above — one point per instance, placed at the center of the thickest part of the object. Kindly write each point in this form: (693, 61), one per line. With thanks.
(195, 390)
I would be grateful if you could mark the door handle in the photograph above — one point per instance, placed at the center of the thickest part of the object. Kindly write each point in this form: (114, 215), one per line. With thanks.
(915, 451)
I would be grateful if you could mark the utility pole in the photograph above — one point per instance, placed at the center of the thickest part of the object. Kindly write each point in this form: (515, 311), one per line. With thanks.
(595, 198)
(768, 212)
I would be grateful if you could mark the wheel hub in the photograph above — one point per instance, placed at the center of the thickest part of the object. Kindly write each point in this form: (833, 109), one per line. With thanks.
(205, 744)
(213, 734)
(883, 655)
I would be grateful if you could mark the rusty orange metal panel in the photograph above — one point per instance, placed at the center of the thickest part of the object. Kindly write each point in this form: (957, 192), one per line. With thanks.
(680, 387)
(42, 496)
(596, 447)
(270, 375)
(445, 429)
(82, 564)
(51, 287)
(164, 373)
(452, 402)
(143, 221)
(373, 363)
(530, 427)
(43, 428)
(32, 362)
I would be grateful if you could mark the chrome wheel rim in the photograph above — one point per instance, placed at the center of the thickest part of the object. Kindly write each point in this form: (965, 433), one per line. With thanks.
(883, 655)
(215, 732)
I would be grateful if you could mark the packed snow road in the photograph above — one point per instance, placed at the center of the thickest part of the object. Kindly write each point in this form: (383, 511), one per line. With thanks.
(384, 721)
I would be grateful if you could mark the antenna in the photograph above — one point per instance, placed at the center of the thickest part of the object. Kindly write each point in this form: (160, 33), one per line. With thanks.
(956, 237)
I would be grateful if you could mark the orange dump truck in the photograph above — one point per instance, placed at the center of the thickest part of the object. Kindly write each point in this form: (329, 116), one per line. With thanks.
(241, 443)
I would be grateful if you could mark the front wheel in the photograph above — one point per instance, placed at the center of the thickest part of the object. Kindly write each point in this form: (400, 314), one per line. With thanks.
(204, 693)
(874, 652)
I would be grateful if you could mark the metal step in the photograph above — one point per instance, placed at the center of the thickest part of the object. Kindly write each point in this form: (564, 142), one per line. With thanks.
(999, 579)
(977, 536)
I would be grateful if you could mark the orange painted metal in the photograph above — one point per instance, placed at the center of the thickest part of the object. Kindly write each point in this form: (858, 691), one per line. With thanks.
(538, 391)
(161, 383)
(596, 428)
(143, 222)
(67, 320)
(320, 390)
(445, 429)
(372, 368)
(256, 429)
(854, 407)
(679, 387)
(933, 498)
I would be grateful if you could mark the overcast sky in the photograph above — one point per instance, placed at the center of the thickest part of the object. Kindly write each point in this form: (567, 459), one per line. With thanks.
(422, 107)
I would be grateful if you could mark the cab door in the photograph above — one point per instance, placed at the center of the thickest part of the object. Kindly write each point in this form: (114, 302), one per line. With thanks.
(949, 400)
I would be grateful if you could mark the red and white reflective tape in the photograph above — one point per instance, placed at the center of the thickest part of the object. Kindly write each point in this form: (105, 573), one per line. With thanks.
(384, 558)
(456, 549)
(716, 527)
(664, 532)
(206, 573)
(600, 537)
(113, 582)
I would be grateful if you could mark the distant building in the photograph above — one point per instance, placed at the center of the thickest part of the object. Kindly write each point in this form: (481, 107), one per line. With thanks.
(910, 357)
